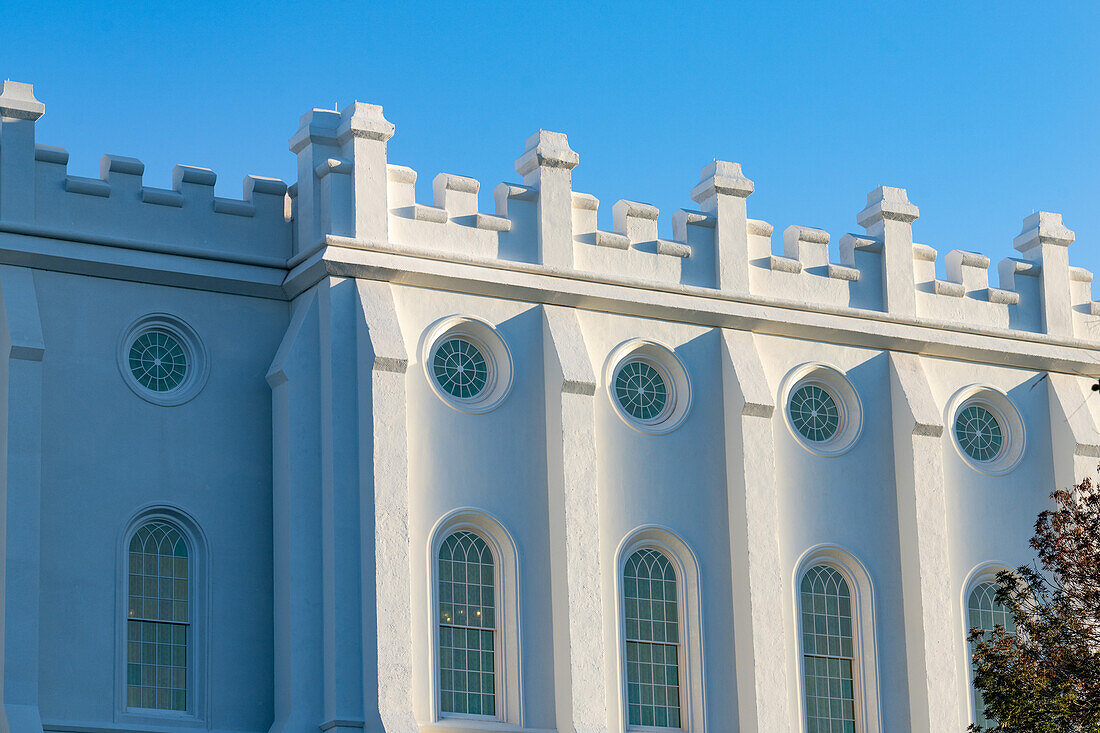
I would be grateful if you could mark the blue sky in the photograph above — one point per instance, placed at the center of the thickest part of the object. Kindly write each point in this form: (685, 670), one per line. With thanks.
(983, 111)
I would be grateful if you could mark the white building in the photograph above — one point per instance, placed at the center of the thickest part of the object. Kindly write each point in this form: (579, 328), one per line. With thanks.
(253, 449)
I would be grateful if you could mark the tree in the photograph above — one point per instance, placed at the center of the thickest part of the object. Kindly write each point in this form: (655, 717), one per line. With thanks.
(1044, 677)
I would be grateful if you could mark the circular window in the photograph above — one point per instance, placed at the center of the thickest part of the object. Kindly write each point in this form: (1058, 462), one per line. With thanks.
(987, 428)
(162, 360)
(157, 361)
(648, 386)
(641, 390)
(469, 367)
(460, 368)
(823, 409)
(814, 413)
(979, 433)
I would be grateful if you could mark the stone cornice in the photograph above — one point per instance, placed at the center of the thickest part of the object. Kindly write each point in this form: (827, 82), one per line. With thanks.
(341, 256)
(345, 257)
(138, 262)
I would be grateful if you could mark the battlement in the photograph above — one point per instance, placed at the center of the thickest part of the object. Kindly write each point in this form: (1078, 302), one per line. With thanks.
(38, 195)
(543, 221)
(350, 194)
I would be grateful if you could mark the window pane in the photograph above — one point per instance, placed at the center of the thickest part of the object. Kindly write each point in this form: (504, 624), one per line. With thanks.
(157, 619)
(984, 612)
(467, 623)
(653, 645)
(828, 650)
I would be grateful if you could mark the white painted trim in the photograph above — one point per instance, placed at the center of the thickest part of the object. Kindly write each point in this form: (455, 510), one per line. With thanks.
(700, 306)
(492, 346)
(866, 685)
(507, 652)
(174, 269)
(671, 368)
(344, 256)
(198, 358)
(1004, 410)
(693, 715)
(843, 392)
(199, 603)
(985, 572)
(69, 235)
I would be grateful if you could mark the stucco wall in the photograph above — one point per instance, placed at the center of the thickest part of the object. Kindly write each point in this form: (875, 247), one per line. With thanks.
(106, 453)
(319, 466)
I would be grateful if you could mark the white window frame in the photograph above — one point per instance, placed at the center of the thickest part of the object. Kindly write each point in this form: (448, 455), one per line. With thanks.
(836, 383)
(506, 652)
(198, 367)
(983, 573)
(689, 602)
(671, 368)
(1004, 411)
(493, 348)
(198, 594)
(865, 683)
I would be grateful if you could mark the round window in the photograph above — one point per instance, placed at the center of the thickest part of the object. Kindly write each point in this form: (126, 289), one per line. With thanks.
(467, 363)
(822, 408)
(648, 386)
(814, 413)
(158, 361)
(162, 360)
(641, 390)
(979, 433)
(460, 368)
(987, 427)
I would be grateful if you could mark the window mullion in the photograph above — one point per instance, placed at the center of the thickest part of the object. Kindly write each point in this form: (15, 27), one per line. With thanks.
(467, 651)
(652, 633)
(158, 629)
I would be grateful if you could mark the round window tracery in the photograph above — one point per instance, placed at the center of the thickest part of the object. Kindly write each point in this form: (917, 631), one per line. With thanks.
(822, 408)
(460, 368)
(467, 363)
(162, 360)
(814, 413)
(979, 433)
(158, 361)
(641, 390)
(986, 428)
(648, 386)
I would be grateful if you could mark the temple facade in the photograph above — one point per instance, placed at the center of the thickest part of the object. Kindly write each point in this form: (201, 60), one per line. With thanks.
(329, 458)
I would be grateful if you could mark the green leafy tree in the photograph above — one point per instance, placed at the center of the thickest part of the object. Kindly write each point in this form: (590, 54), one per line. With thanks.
(1044, 676)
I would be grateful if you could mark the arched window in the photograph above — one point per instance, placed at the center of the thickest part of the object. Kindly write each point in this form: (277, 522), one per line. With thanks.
(158, 619)
(983, 612)
(652, 619)
(828, 651)
(467, 626)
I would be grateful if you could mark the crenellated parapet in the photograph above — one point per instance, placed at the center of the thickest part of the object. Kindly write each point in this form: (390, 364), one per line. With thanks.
(632, 248)
(350, 194)
(715, 247)
(39, 196)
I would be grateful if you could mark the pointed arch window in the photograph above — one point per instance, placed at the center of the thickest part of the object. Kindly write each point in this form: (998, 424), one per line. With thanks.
(828, 651)
(983, 612)
(467, 626)
(158, 619)
(652, 619)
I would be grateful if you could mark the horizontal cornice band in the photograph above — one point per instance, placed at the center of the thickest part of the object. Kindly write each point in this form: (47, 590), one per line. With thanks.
(28, 246)
(703, 307)
(101, 257)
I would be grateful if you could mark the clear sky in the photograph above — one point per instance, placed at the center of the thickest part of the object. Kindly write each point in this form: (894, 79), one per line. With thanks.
(984, 111)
